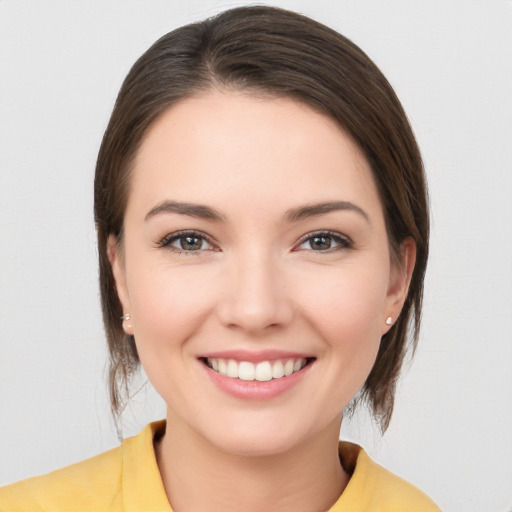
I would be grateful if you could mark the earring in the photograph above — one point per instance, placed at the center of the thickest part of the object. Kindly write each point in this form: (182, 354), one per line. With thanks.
(389, 320)
(126, 326)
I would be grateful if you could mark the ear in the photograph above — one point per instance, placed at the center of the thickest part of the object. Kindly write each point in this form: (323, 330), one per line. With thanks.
(400, 280)
(116, 259)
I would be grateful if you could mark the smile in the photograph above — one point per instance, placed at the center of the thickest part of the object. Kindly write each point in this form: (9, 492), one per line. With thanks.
(263, 371)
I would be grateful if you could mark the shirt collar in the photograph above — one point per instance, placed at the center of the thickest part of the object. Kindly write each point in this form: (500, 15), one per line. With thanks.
(143, 488)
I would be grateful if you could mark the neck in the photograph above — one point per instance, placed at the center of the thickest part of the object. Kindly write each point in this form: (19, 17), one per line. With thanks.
(200, 476)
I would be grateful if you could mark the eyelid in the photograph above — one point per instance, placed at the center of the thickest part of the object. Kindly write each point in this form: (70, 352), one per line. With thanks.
(165, 242)
(344, 240)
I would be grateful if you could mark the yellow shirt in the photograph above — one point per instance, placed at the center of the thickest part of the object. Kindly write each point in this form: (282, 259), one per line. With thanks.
(127, 479)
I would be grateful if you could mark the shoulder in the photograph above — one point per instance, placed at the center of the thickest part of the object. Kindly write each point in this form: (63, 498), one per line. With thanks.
(374, 488)
(95, 481)
(126, 477)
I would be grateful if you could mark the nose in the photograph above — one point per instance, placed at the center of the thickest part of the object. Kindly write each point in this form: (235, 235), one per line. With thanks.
(255, 298)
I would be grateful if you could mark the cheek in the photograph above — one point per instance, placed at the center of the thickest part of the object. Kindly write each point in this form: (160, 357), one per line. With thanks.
(169, 308)
(346, 309)
(168, 305)
(353, 296)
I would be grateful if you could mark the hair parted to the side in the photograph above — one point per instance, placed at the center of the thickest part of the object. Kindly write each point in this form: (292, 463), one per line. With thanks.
(278, 53)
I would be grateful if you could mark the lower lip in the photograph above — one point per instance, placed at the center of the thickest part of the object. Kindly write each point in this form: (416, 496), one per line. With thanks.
(253, 389)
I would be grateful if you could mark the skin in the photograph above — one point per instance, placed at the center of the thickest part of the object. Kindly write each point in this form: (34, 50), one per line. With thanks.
(255, 282)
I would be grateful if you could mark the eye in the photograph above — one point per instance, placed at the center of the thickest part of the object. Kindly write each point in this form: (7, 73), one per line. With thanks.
(187, 241)
(324, 241)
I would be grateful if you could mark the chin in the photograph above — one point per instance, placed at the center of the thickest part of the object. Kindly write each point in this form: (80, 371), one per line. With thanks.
(261, 436)
(244, 444)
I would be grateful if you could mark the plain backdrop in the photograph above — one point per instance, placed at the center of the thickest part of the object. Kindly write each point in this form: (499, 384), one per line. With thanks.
(61, 65)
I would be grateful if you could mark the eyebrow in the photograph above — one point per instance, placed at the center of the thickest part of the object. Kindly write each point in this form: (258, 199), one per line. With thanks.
(192, 210)
(293, 215)
(312, 210)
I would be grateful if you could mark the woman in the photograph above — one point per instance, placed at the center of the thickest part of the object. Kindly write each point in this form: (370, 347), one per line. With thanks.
(263, 235)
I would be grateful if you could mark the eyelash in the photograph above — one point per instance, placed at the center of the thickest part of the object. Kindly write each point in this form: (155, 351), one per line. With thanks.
(173, 237)
(343, 242)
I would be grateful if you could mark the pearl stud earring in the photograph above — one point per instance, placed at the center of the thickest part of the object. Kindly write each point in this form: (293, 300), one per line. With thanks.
(389, 320)
(126, 318)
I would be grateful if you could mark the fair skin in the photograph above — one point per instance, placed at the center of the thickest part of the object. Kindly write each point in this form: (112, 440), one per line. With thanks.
(254, 233)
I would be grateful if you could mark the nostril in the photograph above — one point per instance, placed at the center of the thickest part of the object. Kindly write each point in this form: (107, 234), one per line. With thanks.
(252, 313)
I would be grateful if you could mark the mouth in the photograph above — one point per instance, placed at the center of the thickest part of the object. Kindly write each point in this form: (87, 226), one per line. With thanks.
(263, 371)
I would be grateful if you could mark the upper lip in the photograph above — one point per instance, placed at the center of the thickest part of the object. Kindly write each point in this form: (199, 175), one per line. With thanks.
(255, 356)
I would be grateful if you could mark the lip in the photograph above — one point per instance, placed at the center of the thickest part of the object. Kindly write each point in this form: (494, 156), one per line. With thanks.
(255, 390)
(255, 357)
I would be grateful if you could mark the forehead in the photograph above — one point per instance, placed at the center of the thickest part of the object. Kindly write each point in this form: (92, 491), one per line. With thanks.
(223, 145)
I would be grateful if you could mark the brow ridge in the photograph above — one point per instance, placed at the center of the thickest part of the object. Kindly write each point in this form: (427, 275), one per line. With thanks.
(292, 215)
(311, 210)
(190, 209)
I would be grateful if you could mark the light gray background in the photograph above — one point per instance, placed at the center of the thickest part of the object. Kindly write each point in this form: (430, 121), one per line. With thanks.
(61, 64)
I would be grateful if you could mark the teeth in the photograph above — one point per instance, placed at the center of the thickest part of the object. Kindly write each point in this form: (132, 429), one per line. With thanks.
(277, 370)
(232, 369)
(288, 367)
(262, 372)
(245, 371)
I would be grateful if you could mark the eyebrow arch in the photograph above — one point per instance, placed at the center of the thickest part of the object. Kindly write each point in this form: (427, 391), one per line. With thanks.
(192, 210)
(311, 210)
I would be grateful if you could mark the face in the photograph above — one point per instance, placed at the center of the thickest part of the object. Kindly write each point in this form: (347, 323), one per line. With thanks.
(255, 266)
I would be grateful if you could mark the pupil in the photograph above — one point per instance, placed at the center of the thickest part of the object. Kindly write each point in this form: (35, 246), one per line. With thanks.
(321, 242)
(191, 243)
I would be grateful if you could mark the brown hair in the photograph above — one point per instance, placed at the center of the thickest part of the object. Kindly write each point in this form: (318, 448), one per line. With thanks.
(280, 53)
